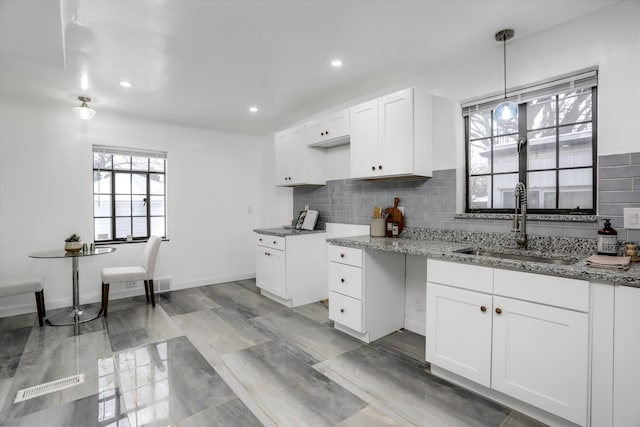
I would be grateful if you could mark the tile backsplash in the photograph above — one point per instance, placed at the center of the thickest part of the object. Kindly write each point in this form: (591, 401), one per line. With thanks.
(431, 202)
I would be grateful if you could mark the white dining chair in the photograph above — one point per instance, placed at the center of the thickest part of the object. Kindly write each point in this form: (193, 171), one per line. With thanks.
(143, 272)
(25, 285)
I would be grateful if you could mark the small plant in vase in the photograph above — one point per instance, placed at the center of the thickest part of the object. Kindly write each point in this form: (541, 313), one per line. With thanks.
(72, 243)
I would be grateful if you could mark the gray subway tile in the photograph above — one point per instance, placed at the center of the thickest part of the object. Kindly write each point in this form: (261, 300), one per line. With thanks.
(633, 235)
(611, 209)
(619, 184)
(635, 158)
(619, 197)
(632, 171)
(636, 184)
(614, 160)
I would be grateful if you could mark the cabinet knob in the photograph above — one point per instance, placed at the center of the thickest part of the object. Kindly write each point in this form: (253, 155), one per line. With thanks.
(342, 280)
(498, 310)
(341, 255)
(265, 254)
(483, 308)
(342, 310)
(373, 168)
(275, 243)
(326, 132)
(321, 133)
(380, 167)
(260, 240)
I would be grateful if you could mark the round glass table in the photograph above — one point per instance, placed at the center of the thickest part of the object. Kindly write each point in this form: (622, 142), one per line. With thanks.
(77, 314)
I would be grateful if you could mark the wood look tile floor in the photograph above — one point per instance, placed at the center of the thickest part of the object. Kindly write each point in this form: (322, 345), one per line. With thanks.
(223, 355)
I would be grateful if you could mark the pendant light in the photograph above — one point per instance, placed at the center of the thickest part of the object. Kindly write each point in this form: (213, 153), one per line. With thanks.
(83, 111)
(506, 111)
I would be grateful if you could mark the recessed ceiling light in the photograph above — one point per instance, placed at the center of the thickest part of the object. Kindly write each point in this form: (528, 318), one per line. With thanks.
(125, 83)
(336, 63)
(253, 109)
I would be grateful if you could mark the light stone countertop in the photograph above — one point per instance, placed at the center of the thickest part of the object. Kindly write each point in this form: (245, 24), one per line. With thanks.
(444, 250)
(285, 232)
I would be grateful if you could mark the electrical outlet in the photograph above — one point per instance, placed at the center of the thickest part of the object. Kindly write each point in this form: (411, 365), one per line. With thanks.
(306, 207)
(131, 284)
(631, 218)
(250, 210)
(418, 304)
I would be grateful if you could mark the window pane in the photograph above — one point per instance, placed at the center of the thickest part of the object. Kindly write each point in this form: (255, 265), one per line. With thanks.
(541, 113)
(121, 162)
(101, 205)
(123, 205)
(156, 182)
(140, 163)
(541, 149)
(157, 226)
(140, 227)
(503, 128)
(479, 194)
(123, 183)
(479, 157)
(123, 227)
(575, 189)
(575, 107)
(139, 205)
(157, 205)
(102, 182)
(503, 188)
(102, 229)
(505, 154)
(102, 161)
(156, 165)
(576, 145)
(480, 124)
(138, 183)
(541, 184)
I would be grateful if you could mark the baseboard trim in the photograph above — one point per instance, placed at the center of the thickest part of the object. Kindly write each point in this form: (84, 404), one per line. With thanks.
(417, 327)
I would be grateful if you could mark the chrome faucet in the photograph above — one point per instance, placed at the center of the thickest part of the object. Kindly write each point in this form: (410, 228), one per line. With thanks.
(520, 221)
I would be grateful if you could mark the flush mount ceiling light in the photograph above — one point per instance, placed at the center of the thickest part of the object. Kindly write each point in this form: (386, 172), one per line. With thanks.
(83, 111)
(125, 83)
(336, 63)
(253, 109)
(506, 111)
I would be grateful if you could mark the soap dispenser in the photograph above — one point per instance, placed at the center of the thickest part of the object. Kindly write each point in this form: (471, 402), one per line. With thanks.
(607, 240)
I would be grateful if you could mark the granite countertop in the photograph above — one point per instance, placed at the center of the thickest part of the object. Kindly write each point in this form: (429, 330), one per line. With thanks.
(284, 232)
(438, 249)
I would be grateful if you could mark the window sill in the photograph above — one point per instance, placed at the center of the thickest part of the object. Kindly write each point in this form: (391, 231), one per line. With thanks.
(124, 242)
(531, 217)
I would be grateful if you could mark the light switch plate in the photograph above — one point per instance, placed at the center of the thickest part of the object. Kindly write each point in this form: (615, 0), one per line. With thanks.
(631, 218)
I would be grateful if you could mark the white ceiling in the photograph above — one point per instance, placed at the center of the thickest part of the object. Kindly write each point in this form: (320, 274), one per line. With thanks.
(204, 62)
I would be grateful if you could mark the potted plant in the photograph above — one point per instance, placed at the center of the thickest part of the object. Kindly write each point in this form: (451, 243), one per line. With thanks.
(72, 243)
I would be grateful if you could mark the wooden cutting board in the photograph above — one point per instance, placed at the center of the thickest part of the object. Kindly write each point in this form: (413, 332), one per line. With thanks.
(396, 214)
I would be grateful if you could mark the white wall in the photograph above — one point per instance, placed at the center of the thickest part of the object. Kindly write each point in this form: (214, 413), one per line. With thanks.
(46, 194)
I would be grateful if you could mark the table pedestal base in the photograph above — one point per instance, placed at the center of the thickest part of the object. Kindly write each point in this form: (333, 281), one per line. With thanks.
(74, 316)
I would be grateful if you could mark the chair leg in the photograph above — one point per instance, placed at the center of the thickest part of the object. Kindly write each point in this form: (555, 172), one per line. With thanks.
(40, 307)
(105, 299)
(153, 297)
(146, 289)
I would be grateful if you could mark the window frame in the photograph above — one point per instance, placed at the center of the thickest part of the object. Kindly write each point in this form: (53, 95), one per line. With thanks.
(522, 159)
(147, 198)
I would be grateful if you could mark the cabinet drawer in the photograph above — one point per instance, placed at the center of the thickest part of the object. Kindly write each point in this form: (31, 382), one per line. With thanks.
(274, 242)
(345, 279)
(346, 310)
(344, 255)
(465, 276)
(540, 288)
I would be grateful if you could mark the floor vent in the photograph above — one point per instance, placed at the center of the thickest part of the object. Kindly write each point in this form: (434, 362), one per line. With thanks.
(50, 387)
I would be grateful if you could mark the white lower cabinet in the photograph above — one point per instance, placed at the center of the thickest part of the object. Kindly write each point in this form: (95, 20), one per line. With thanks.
(482, 330)
(290, 270)
(366, 291)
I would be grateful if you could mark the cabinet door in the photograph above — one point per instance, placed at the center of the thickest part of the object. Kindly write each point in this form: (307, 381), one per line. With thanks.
(264, 269)
(458, 335)
(298, 147)
(279, 282)
(284, 158)
(337, 125)
(540, 356)
(395, 132)
(315, 131)
(364, 139)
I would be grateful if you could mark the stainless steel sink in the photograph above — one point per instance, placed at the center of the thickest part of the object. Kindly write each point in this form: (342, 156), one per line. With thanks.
(519, 257)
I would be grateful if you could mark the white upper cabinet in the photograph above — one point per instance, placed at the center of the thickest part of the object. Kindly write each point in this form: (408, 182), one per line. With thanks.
(329, 131)
(391, 136)
(297, 164)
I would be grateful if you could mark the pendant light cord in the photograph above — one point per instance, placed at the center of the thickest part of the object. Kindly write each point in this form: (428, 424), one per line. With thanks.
(504, 61)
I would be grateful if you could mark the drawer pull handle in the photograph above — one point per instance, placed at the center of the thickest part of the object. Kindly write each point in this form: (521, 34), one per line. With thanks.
(342, 280)
(260, 240)
(499, 310)
(275, 243)
(380, 167)
(342, 310)
(483, 308)
(373, 168)
(341, 255)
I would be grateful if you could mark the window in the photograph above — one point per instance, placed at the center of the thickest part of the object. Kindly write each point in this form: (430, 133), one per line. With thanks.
(551, 149)
(129, 194)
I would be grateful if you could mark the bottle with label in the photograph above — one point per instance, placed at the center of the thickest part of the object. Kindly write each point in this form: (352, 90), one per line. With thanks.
(607, 240)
